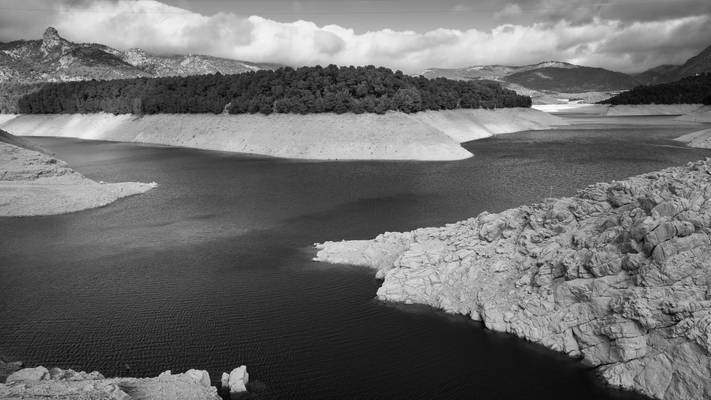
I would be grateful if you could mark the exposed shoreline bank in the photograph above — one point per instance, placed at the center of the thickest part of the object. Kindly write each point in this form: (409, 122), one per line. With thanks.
(426, 136)
(622, 110)
(617, 275)
(33, 183)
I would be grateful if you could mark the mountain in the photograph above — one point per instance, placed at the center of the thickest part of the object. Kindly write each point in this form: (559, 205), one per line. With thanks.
(572, 80)
(554, 76)
(56, 59)
(490, 72)
(698, 64)
(693, 89)
(656, 74)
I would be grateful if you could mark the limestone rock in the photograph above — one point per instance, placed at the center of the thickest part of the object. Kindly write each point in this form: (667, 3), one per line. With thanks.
(8, 368)
(40, 383)
(619, 275)
(29, 375)
(238, 380)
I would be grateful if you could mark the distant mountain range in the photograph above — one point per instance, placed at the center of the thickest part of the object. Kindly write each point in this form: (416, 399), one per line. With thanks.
(698, 64)
(561, 77)
(56, 59)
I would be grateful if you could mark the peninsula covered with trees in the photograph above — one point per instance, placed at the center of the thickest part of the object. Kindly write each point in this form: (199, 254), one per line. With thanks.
(691, 90)
(304, 90)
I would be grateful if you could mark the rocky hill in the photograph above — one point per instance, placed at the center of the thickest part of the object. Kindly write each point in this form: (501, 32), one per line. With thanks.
(548, 80)
(491, 72)
(619, 275)
(576, 79)
(549, 76)
(698, 64)
(56, 59)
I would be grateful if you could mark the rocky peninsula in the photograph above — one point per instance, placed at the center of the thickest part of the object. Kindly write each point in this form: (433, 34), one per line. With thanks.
(33, 182)
(618, 275)
(56, 383)
(426, 135)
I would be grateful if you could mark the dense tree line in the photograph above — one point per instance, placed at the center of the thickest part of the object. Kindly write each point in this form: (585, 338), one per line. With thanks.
(690, 90)
(286, 90)
(11, 93)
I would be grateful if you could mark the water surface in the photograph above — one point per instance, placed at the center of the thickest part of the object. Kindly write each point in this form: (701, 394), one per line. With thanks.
(212, 269)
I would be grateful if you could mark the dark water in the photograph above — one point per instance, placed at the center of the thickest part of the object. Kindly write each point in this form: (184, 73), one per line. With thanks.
(212, 269)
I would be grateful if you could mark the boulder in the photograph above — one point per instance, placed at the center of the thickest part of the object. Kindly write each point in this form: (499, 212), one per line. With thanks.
(29, 375)
(238, 379)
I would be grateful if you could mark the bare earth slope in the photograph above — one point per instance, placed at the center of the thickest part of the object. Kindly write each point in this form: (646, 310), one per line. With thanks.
(619, 275)
(35, 183)
(431, 135)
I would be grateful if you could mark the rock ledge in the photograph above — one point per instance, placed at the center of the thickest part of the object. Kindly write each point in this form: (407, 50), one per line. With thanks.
(618, 275)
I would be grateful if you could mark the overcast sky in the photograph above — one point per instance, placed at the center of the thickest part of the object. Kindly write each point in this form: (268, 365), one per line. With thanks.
(623, 35)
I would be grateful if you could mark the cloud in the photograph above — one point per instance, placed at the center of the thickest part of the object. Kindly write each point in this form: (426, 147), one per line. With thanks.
(612, 43)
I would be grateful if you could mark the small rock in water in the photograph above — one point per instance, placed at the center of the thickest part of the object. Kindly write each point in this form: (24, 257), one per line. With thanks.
(237, 380)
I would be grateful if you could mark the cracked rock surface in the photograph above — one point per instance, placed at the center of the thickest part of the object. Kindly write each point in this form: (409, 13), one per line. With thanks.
(618, 275)
(55, 383)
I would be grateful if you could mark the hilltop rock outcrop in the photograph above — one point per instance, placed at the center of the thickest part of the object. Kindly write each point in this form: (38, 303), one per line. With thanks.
(618, 275)
(54, 58)
(55, 383)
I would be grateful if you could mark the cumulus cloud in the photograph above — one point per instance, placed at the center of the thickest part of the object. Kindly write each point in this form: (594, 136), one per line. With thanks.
(612, 43)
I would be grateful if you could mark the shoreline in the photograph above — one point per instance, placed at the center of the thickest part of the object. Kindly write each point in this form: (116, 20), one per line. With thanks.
(622, 110)
(424, 136)
(33, 183)
(615, 276)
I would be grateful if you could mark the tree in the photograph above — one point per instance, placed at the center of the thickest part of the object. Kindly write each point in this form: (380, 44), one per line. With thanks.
(407, 100)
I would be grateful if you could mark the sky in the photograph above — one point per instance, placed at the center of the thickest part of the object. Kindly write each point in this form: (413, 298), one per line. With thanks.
(623, 35)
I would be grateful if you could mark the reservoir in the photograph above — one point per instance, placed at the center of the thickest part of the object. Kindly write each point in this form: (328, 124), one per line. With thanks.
(213, 268)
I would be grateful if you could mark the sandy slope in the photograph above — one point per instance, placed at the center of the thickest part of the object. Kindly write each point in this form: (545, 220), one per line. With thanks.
(6, 117)
(395, 136)
(621, 110)
(652, 109)
(701, 138)
(702, 114)
(35, 183)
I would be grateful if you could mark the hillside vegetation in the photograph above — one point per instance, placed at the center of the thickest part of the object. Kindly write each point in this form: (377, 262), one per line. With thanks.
(286, 90)
(690, 90)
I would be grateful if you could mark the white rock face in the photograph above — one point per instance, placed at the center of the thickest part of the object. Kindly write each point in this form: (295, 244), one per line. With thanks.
(40, 383)
(237, 380)
(28, 374)
(619, 275)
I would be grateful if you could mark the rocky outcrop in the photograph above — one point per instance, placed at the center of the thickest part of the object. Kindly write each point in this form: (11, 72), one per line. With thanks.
(54, 58)
(7, 368)
(35, 183)
(236, 381)
(619, 275)
(55, 383)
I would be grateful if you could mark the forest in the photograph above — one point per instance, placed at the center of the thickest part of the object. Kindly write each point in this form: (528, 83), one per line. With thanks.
(303, 90)
(689, 90)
